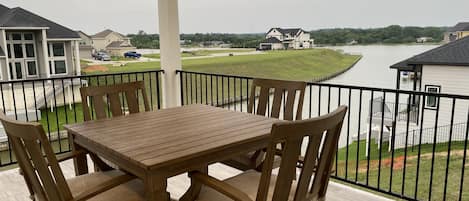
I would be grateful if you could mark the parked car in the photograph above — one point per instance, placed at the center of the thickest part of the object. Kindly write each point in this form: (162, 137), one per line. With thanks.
(103, 56)
(132, 54)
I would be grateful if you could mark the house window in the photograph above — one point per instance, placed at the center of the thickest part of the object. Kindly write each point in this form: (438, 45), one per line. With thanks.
(57, 59)
(16, 36)
(432, 101)
(21, 50)
(32, 68)
(28, 36)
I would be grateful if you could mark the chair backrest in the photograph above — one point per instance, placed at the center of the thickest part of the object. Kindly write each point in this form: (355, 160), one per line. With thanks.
(282, 90)
(37, 160)
(323, 135)
(112, 94)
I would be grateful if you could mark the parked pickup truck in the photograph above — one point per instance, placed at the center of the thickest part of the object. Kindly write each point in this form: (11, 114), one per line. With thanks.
(103, 56)
(132, 54)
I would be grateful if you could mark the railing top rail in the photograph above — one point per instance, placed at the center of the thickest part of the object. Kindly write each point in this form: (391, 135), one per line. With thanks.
(78, 76)
(375, 89)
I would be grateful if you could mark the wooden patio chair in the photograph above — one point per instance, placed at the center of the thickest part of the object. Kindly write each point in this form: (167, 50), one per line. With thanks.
(109, 100)
(45, 179)
(322, 134)
(282, 91)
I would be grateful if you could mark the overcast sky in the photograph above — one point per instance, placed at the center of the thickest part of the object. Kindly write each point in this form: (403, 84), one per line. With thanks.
(247, 16)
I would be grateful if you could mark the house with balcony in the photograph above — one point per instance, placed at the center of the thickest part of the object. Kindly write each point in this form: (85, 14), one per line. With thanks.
(112, 42)
(280, 38)
(442, 70)
(34, 47)
(459, 31)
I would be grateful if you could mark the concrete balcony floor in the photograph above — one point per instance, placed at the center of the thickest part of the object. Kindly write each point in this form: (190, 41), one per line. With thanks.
(13, 187)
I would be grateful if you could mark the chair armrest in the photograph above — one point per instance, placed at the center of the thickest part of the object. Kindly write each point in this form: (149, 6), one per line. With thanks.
(220, 186)
(70, 155)
(62, 157)
(103, 187)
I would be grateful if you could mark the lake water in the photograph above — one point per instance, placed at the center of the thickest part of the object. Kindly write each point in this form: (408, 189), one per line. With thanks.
(373, 69)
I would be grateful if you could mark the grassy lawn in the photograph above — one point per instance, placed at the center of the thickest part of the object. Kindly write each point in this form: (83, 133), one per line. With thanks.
(439, 171)
(83, 63)
(202, 53)
(289, 65)
(121, 58)
(302, 65)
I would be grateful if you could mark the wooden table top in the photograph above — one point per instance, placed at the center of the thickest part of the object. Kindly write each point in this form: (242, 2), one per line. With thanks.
(164, 137)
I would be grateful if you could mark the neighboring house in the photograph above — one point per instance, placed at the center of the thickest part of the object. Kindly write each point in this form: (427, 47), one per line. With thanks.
(112, 42)
(424, 39)
(86, 45)
(289, 39)
(457, 32)
(444, 69)
(34, 47)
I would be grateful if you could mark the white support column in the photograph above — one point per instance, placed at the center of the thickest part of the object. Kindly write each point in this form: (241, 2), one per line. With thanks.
(45, 58)
(77, 58)
(170, 55)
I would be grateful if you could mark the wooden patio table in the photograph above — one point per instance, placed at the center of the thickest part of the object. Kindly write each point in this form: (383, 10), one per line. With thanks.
(160, 144)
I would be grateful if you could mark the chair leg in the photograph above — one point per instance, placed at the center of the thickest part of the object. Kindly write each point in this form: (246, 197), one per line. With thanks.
(194, 190)
(99, 165)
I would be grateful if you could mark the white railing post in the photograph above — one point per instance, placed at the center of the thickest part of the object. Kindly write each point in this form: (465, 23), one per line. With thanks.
(170, 54)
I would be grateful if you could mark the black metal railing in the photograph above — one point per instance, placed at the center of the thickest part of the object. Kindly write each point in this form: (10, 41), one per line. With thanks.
(372, 152)
(54, 102)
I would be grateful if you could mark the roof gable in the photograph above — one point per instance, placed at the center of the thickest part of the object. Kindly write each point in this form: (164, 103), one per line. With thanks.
(107, 32)
(462, 26)
(116, 44)
(455, 53)
(291, 32)
(19, 17)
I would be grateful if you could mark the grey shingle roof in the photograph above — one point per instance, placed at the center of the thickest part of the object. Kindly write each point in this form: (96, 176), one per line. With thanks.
(105, 33)
(291, 32)
(2, 53)
(272, 40)
(118, 44)
(19, 17)
(462, 26)
(455, 53)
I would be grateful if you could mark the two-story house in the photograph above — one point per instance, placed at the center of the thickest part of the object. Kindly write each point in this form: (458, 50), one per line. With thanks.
(34, 47)
(457, 32)
(112, 42)
(279, 38)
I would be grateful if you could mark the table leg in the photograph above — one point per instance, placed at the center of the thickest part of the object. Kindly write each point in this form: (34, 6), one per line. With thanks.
(80, 162)
(155, 188)
(194, 190)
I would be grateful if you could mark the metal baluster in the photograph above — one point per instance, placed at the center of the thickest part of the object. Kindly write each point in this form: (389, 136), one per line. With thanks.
(434, 149)
(405, 147)
(449, 148)
(158, 97)
(461, 183)
(348, 131)
(381, 139)
(419, 149)
(369, 139)
(24, 99)
(358, 136)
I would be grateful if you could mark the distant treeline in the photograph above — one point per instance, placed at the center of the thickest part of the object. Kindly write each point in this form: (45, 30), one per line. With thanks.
(394, 34)
(389, 35)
